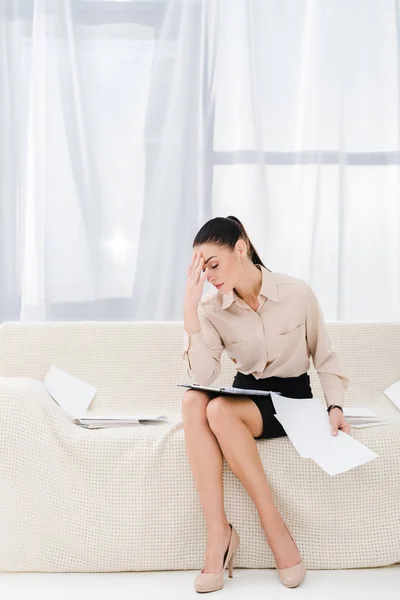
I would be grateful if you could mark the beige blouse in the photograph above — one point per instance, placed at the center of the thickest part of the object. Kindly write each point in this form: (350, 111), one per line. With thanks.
(276, 340)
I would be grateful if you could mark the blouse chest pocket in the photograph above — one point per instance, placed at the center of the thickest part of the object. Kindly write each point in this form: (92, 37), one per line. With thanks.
(288, 342)
(292, 331)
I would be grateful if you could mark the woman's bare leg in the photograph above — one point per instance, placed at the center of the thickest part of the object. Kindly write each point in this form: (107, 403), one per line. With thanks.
(235, 423)
(206, 463)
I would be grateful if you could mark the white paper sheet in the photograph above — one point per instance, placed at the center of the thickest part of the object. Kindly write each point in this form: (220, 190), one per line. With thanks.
(299, 441)
(373, 424)
(72, 394)
(294, 414)
(341, 453)
(308, 426)
(282, 403)
(101, 422)
(303, 424)
(358, 411)
(121, 418)
(393, 393)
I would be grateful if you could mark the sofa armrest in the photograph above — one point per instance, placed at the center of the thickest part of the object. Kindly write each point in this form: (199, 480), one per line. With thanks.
(24, 399)
(31, 386)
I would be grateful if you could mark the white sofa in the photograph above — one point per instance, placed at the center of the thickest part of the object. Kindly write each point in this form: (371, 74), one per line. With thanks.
(78, 500)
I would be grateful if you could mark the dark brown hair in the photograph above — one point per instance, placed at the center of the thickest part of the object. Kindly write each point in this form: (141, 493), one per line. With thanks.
(225, 231)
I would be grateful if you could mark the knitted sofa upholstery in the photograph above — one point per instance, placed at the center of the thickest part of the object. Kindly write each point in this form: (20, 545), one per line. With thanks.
(79, 500)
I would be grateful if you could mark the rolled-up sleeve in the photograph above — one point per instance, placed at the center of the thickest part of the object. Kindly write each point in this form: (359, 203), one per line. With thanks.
(202, 351)
(326, 363)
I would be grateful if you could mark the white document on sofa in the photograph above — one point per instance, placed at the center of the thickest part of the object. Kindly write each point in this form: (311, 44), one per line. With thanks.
(362, 412)
(72, 394)
(307, 425)
(100, 422)
(393, 393)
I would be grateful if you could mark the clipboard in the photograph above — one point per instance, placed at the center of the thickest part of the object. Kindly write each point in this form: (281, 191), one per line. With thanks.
(226, 390)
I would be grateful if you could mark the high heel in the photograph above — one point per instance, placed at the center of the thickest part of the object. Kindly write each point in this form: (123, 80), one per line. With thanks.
(210, 582)
(292, 576)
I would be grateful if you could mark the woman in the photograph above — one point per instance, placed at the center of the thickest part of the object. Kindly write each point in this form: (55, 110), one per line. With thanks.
(269, 324)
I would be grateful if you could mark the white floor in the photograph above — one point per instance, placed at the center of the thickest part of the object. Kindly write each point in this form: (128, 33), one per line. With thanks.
(363, 584)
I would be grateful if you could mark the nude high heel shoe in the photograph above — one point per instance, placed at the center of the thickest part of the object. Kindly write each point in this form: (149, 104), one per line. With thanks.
(292, 576)
(210, 582)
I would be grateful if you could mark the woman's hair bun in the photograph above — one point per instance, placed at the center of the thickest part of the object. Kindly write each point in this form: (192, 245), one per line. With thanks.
(232, 218)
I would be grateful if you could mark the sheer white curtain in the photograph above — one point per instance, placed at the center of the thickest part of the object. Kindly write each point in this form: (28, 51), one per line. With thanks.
(307, 145)
(125, 125)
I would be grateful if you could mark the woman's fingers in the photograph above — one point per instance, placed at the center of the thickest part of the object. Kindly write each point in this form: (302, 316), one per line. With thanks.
(197, 271)
(196, 268)
(200, 266)
(345, 428)
(191, 267)
(194, 258)
(195, 261)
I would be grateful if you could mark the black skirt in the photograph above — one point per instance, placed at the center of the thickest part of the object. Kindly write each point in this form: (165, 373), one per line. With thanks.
(291, 387)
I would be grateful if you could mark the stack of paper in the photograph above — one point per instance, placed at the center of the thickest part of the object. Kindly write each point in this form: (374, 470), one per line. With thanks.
(359, 417)
(99, 422)
(308, 426)
(74, 396)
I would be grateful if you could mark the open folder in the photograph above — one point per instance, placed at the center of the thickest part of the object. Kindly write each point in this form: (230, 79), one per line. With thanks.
(226, 390)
